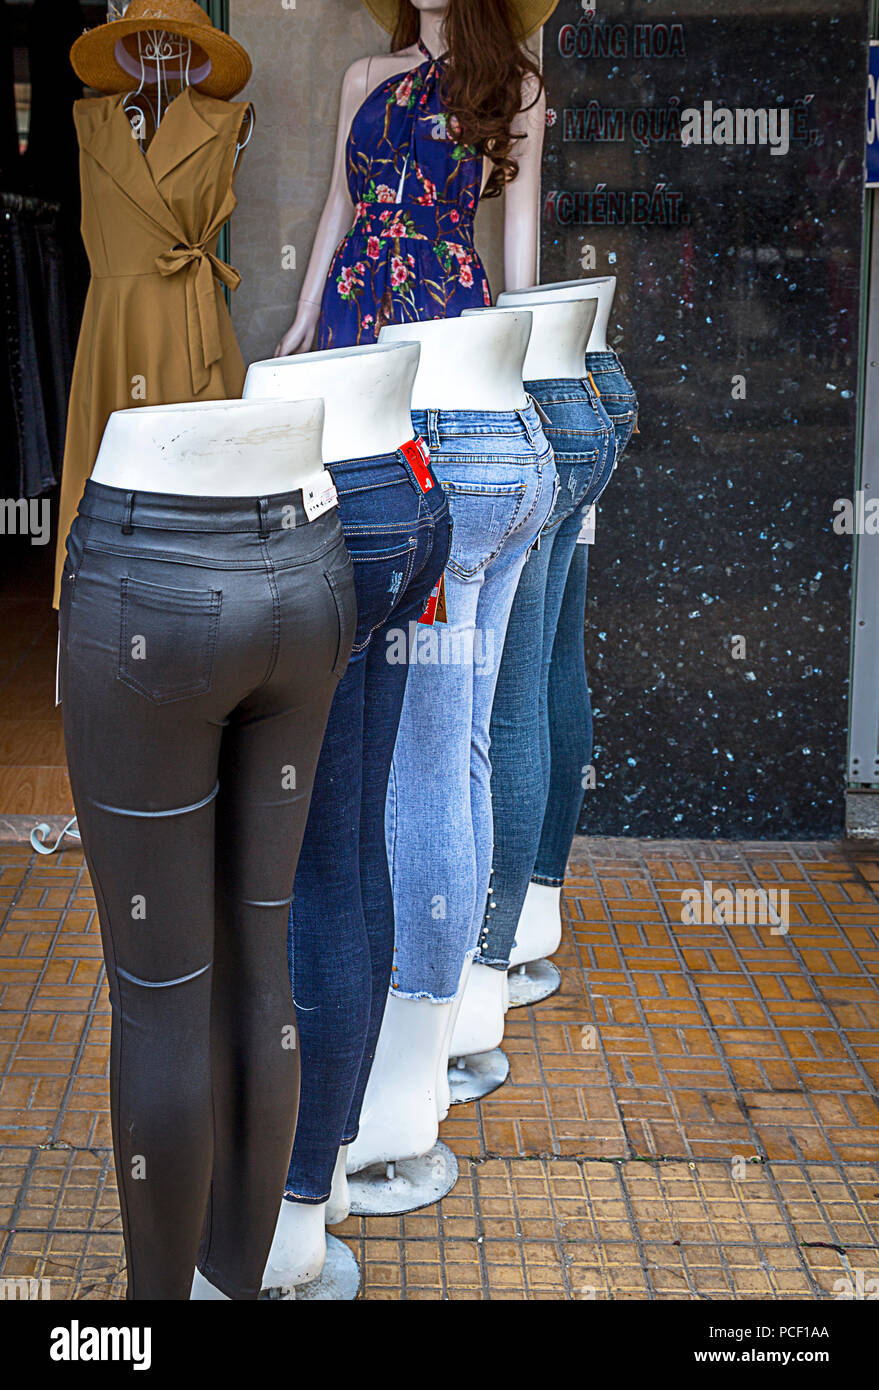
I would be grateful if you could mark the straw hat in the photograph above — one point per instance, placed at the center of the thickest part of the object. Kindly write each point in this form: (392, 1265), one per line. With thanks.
(101, 60)
(532, 13)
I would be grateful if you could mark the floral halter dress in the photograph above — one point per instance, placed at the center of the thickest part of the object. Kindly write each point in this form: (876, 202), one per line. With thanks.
(409, 255)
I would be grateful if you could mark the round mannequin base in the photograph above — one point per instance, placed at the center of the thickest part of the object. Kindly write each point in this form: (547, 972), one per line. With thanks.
(533, 981)
(339, 1280)
(390, 1189)
(471, 1078)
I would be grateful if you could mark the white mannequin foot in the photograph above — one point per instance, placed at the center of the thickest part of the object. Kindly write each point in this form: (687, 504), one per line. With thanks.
(203, 1289)
(299, 1249)
(479, 1026)
(338, 1208)
(444, 1094)
(399, 1117)
(539, 933)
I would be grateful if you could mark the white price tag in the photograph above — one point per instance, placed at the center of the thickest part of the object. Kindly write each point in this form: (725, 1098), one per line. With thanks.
(587, 528)
(318, 497)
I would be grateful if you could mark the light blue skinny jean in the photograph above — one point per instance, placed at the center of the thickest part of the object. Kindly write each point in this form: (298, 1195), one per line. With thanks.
(498, 472)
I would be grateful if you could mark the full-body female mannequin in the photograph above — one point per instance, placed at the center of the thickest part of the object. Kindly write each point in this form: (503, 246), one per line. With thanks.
(402, 168)
(207, 611)
(470, 402)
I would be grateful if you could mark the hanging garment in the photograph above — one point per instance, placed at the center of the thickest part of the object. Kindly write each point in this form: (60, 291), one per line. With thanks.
(410, 254)
(156, 329)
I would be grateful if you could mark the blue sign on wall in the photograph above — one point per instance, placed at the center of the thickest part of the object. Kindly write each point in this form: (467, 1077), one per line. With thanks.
(873, 117)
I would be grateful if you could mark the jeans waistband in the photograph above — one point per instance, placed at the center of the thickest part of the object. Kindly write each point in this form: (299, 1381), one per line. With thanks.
(546, 391)
(435, 425)
(366, 462)
(280, 511)
(596, 361)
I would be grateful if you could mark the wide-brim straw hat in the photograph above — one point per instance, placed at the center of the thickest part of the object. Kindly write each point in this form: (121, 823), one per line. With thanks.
(100, 59)
(532, 13)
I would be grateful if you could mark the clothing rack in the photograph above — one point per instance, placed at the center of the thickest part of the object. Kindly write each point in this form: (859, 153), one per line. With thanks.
(22, 202)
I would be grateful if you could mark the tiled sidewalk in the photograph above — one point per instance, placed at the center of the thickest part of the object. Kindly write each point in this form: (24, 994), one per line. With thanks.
(694, 1115)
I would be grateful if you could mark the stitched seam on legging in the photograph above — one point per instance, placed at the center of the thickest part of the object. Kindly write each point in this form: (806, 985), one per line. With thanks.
(276, 612)
(158, 815)
(101, 901)
(162, 984)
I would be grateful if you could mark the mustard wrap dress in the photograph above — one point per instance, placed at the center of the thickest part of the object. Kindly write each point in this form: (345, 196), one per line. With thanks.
(156, 329)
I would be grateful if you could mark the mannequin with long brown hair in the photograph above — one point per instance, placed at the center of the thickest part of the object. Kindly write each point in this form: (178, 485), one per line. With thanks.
(454, 113)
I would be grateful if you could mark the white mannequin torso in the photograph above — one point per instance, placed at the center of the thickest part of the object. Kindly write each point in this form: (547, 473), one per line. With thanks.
(213, 448)
(472, 363)
(366, 390)
(559, 336)
(601, 288)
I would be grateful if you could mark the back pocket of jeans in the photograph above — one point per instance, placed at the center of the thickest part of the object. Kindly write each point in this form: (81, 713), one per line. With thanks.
(167, 639)
(484, 515)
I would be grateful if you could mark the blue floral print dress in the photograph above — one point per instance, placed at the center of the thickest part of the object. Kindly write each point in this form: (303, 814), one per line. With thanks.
(409, 255)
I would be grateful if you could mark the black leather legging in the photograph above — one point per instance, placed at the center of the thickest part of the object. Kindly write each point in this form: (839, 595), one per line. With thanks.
(201, 643)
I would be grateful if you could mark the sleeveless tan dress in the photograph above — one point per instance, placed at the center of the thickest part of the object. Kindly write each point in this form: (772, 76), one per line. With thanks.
(156, 329)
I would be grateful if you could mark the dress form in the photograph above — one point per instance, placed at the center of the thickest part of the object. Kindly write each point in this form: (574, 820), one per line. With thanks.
(164, 64)
(602, 288)
(366, 391)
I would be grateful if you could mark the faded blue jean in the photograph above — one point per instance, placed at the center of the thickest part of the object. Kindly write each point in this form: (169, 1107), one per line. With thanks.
(582, 436)
(569, 702)
(498, 472)
(617, 394)
(341, 932)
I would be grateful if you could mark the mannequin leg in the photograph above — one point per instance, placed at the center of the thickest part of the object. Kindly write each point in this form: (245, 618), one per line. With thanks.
(570, 727)
(177, 756)
(342, 922)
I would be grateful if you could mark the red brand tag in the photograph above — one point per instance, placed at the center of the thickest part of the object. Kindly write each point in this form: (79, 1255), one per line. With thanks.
(418, 458)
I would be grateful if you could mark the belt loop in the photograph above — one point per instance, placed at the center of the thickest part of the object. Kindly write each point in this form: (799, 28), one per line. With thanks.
(433, 430)
(127, 528)
(526, 422)
(263, 509)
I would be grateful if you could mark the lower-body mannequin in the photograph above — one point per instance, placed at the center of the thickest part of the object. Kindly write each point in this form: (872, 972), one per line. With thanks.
(341, 938)
(567, 725)
(582, 437)
(202, 640)
(617, 394)
(498, 473)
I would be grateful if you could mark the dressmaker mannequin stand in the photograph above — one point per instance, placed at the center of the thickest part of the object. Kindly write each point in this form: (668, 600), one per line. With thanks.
(366, 391)
(532, 976)
(398, 1162)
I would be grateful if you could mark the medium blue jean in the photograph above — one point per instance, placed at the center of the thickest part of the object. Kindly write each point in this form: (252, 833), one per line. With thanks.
(498, 472)
(582, 436)
(569, 701)
(617, 394)
(568, 697)
(341, 931)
